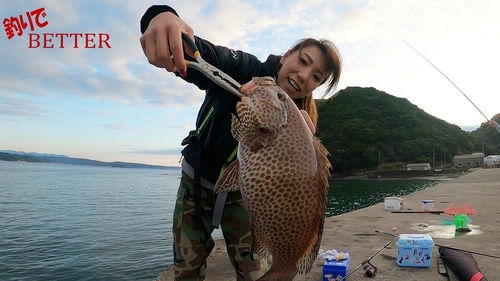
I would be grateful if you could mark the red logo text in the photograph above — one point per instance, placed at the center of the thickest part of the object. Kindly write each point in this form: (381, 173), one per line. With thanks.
(72, 40)
(16, 25)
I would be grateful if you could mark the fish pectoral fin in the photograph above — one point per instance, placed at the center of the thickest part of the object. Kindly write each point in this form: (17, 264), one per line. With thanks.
(258, 246)
(228, 181)
(245, 126)
(236, 128)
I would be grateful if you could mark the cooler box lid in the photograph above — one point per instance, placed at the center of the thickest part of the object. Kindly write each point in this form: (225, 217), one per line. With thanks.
(415, 240)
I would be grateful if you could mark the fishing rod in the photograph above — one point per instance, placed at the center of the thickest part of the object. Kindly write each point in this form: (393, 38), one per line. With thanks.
(433, 66)
(417, 212)
(366, 261)
(467, 251)
(439, 245)
(387, 233)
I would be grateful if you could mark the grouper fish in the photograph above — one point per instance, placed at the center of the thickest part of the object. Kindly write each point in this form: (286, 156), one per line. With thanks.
(282, 172)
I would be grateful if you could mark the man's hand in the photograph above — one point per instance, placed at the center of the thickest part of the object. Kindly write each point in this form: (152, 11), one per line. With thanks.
(490, 124)
(308, 120)
(162, 42)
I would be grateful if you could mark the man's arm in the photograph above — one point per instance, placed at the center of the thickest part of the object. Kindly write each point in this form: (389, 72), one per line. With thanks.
(152, 12)
(492, 123)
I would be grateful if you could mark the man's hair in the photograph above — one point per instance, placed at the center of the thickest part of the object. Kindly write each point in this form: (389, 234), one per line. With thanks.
(333, 67)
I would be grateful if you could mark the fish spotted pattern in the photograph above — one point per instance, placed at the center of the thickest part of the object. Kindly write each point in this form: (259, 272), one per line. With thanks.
(282, 171)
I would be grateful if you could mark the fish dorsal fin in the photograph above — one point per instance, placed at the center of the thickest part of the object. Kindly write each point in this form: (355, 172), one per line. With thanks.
(324, 165)
(305, 263)
(228, 181)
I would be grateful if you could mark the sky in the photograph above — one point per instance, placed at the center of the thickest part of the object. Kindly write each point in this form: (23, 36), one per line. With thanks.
(109, 104)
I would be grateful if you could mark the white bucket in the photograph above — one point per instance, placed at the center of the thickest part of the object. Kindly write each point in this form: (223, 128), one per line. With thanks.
(393, 203)
(428, 205)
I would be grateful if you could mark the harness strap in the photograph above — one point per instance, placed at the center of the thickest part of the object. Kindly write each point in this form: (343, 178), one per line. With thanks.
(218, 208)
(197, 192)
(219, 201)
(199, 181)
(196, 175)
(221, 197)
(209, 113)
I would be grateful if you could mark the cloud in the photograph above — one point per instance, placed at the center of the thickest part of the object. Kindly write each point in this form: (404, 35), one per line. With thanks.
(116, 92)
(116, 127)
(17, 106)
(119, 73)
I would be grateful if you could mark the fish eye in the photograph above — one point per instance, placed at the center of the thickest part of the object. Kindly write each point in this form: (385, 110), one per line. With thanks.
(281, 96)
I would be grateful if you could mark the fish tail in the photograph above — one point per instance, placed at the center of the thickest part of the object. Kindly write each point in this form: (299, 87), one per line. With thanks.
(306, 262)
(278, 275)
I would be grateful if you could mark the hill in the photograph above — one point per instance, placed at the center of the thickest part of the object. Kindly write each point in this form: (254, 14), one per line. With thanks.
(9, 155)
(364, 128)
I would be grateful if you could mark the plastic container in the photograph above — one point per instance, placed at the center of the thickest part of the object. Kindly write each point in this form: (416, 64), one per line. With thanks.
(332, 269)
(393, 203)
(461, 221)
(428, 205)
(414, 250)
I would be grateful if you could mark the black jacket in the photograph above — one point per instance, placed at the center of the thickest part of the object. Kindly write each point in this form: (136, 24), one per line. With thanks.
(215, 140)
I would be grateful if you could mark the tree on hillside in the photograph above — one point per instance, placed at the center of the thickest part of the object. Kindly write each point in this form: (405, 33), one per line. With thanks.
(357, 125)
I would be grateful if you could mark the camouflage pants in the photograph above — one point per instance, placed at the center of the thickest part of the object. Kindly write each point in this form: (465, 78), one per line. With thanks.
(192, 246)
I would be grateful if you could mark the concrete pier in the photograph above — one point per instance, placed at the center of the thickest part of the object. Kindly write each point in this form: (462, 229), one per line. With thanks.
(355, 232)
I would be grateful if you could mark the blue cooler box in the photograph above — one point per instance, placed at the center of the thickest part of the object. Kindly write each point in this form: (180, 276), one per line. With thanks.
(415, 250)
(333, 268)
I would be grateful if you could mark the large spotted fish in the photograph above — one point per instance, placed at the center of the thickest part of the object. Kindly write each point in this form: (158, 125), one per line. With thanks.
(282, 171)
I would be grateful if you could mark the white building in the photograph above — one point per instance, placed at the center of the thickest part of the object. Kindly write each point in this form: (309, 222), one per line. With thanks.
(469, 160)
(418, 167)
(492, 160)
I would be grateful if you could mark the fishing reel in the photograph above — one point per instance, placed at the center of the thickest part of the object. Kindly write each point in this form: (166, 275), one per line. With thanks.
(370, 270)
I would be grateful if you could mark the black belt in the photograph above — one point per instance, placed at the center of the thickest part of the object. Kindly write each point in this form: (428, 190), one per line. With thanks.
(219, 201)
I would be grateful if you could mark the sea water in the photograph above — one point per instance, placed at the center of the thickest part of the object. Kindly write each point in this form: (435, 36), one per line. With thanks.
(69, 222)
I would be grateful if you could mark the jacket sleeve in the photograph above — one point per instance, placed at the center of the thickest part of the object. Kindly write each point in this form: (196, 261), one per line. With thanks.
(496, 126)
(239, 65)
(152, 12)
